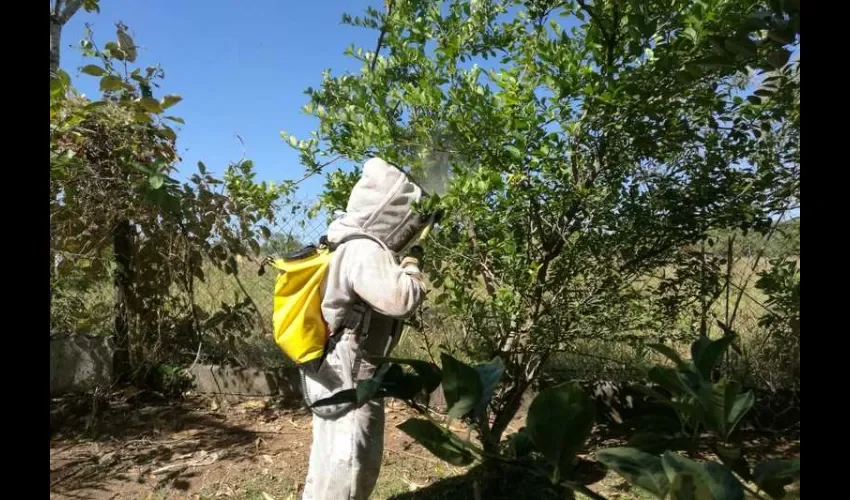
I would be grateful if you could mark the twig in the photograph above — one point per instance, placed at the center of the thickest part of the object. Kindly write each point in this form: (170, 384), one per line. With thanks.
(170, 468)
(381, 35)
(197, 357)
(316, 170)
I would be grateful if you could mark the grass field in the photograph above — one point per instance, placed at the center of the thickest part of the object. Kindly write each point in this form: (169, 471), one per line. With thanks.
(588, 358)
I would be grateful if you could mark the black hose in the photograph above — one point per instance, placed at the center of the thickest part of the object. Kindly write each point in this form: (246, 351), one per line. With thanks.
(326, 412)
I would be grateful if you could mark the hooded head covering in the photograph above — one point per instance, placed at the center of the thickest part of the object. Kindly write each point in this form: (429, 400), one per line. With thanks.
(381, 205)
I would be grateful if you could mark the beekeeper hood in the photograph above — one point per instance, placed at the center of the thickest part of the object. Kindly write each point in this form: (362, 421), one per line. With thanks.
(382, 205)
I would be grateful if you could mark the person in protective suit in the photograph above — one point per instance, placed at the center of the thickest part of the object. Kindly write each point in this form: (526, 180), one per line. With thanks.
(367, 294)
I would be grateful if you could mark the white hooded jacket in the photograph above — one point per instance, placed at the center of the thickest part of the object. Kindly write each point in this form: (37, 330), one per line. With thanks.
(347, 447)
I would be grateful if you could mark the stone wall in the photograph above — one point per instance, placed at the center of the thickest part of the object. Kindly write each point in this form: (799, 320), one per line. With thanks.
(233, 383)
(80, 363)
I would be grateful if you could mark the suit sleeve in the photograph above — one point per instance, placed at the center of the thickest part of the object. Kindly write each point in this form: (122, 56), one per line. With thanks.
(391, 289)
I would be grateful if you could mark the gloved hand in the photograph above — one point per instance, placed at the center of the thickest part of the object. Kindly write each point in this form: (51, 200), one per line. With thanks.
(414, 257)
(417, 252)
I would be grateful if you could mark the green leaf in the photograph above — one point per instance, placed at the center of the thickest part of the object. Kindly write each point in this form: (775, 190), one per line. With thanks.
(367, 389)
(59, 82)
(667, 378)
(114, 50)
(127, 45)
(744, 47)
(93, 70)
(110, 82)
(341, 397)
(754, 99)
(490, 374)
(687, 486)
(150, 105)
(175, 119)
(559, 422)
(706, 353)
(718, 479)
(430, 373)
(514, 151)
(170, 100)
(461, 386)
(521, 444)
(406, 387)
(670, 354)
(442, 443)
(724, 406)
(156, 181)
(637, 467)
(779, 58)
(742, 405)
(716, 400)
(732, 458)
(772, 476)
(168, 133)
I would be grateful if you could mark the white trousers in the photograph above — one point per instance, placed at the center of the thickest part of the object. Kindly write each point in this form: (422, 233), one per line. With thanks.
(346, 454)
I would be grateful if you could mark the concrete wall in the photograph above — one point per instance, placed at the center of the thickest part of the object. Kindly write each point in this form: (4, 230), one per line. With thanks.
(233, 383)
(80, 363)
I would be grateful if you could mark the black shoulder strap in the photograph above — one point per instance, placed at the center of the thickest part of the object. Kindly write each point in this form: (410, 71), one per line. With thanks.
(355, 236)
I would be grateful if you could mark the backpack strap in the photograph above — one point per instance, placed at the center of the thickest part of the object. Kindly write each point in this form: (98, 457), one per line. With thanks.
(332, 246)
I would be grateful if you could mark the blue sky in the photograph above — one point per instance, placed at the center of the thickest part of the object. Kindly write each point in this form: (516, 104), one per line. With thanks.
(241, 68)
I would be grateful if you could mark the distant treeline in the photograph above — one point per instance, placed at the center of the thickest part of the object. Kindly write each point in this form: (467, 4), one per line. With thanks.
(784, 241)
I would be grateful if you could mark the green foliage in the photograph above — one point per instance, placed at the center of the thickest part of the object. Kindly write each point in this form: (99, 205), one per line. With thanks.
(439, 441)
(700, 403)
(462, 386)
(171, 380)
(559, 422)
(118, 214)
(774, 475)
(677, 477)
(639, 468)
(781, 284)
(584, 157)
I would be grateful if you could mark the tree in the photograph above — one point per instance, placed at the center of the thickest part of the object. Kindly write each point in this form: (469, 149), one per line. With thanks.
(61, 11)
(117, 212)
(592, 145)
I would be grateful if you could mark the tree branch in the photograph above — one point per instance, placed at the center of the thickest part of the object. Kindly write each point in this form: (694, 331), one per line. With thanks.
(388, 6)
(71, 8)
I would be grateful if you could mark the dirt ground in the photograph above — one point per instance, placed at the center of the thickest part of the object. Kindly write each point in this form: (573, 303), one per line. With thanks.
(202, 449)
(255, 449)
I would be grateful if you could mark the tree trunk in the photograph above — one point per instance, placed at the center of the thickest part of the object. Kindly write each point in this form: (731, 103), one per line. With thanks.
(507, 412)
(60, 12)
(122, 246)
(55, 42)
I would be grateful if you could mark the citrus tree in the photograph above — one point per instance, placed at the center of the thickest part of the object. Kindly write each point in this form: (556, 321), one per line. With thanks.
(591, 144)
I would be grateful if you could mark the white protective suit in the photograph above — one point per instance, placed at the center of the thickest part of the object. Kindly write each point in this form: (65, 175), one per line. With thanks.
(348, 442)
